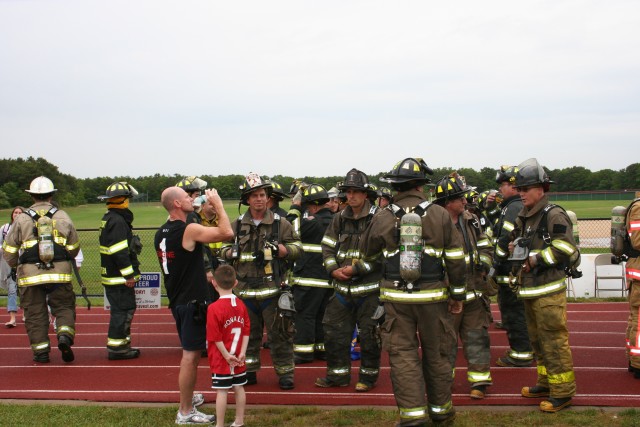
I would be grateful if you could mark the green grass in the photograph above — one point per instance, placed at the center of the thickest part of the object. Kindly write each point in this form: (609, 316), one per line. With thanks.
(591, 208)
(18, 414)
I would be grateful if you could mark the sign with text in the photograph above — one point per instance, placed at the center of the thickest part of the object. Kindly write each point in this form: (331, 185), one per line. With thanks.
(147, 292)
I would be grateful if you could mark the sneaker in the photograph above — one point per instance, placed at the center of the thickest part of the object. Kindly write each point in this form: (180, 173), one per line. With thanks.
(554, 404)
(535, 391)
(364, 387)
(195, 417)
(133, 353)
(510, 362)
(286, 383)
(327, 383)
(41, 357)
(252, 378)
(478, 392)
(197, 399)
(64, 345)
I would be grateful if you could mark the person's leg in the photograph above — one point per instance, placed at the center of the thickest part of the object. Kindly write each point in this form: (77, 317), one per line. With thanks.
(241, 403)
(187, 378)
(12, 302)
(221, 407)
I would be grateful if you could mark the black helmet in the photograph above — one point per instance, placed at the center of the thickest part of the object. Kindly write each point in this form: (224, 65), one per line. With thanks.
(472, 197)
(530, 172)
(253, 182)
(409, 170)
(191, 184)
(507, 174)
(118, 189)
(276, 191)
(315, 194)
(356, 180)
(450, 187)
(385, 192)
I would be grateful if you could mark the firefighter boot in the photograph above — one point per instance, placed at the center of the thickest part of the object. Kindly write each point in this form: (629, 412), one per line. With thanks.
(554, 404)
(64, 345)
(535, 391)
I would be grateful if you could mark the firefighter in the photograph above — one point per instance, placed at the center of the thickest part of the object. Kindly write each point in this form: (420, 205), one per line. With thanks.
(334, 201)
(385, 198)
(277, 195)
(357, 290)
(418, 330)
(310, 280)
(632, 267)
(193, 185)
(544, 249)
(472, 325)
(119, 250)
(263, 241)
(511, 307)
(42, 244)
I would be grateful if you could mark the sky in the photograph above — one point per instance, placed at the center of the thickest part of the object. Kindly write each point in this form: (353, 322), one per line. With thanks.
(315, 88)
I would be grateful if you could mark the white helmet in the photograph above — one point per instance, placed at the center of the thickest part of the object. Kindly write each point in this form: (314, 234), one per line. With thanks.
(41, 185)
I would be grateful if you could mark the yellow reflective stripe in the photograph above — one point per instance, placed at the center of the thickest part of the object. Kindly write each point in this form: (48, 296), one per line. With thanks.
(258, 293)
(474, 377)
(369, 371)
(563, 246)
(10, 249)
(319, 346)
(116, 342)
(110, 250)
(388, 254)
(429, 295)
(500, 252)
(284, 370)
(413, 413)
(529, 292)
(349, 253)
(247, 257)
(454, 253)
(339, 371)
(308, 247)
(367, 266)
(542, 370)
(40, 346)
(326, 240)
(61, 240)
(128, 271)
(108, 281)
(76, 245)
(508, 226)
(357, 290)
(441, 409)
(471, 295)
(303, 348)
(28, 244)
(503, 280)
(547, 256)
(316, 283)
(520, 355)
(483, 243)
(434, 252)
(328, 262)
(44, 278)
(458, 289)
(563, 378)
(485, 259)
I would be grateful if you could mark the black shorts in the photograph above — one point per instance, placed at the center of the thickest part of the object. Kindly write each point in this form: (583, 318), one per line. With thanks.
(193, 336)
(226, 381)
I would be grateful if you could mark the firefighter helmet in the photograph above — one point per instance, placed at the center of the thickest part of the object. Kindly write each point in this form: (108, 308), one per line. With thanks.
(119, 189)
(530, 172)
(333, 192)
(506, 174)
(253, 182)
(409, 170)
(385, 192)
(356, 180)
(191, 184)
(315, 194)
(472, 197)
(277, 192)
(450, 187)
(484, 204)
(41, 185)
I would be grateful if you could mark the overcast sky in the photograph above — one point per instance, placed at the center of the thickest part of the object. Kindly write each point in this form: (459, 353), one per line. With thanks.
(137, 87)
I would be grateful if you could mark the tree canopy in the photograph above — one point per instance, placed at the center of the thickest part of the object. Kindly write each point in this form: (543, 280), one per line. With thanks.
(17, 174)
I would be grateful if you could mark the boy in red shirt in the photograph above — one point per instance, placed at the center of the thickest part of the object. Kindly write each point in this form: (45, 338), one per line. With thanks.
(227, 337)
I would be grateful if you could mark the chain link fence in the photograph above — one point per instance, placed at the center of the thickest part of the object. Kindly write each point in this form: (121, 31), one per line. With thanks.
(593, 234)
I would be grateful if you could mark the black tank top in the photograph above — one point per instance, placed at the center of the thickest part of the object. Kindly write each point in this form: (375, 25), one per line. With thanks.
(184, 275)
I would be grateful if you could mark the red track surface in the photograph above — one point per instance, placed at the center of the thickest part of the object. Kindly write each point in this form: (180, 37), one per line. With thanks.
(596, 337)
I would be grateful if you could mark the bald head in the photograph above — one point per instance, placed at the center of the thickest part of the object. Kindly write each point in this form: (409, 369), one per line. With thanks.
(169, 196)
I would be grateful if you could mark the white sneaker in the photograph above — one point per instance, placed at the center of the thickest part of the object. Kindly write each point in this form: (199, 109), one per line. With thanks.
(195, 417)
(197, 399)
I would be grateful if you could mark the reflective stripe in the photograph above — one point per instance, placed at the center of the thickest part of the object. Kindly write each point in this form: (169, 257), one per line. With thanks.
(319, 346)
(500, 252)
(508, 226)
(542, 370)
(523, 355)
(28, 244)
(329, 262)
(474, 377)
(369, 371)
(357, 290)
(339, 371)
(61, 240)
(502, 280)
(564, 246)
(434, 252)
(44, 278)
(458, 289)
(563, 378)
(283, 370)
(485, 259)
(442, 409)
(454, 253)
(530, 292)
(349, 253)
(119, 280)
(308, 247)
(40, 346)
(247, 257)
(116, 342)
(10, 249)
(471, 295)
(117, 247)
(483, 243)
(127, 271)
(388, 254)
(326, 240)
(413, 413)
(429, 295)
(72, 247)
(316, 283)
(258, 293)
(303, 348)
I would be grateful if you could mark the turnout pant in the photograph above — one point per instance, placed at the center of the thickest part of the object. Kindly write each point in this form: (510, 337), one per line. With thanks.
(310, 303)
(633, 331)
(122, 300)
(61, 299)
(407, 329)
(513, 319)
(472, 326)
(264, 313)
(547, 324)
(340, 318)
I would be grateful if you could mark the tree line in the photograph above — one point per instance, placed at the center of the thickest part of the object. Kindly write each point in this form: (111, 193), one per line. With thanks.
(17, 174)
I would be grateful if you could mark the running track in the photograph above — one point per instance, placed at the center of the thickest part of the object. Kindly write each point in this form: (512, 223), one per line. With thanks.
(596, 337)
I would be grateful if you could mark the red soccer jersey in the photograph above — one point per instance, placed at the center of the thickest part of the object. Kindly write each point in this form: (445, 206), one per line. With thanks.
(227, 321)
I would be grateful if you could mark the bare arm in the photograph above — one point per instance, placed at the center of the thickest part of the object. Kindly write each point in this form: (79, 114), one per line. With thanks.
(198, 233)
